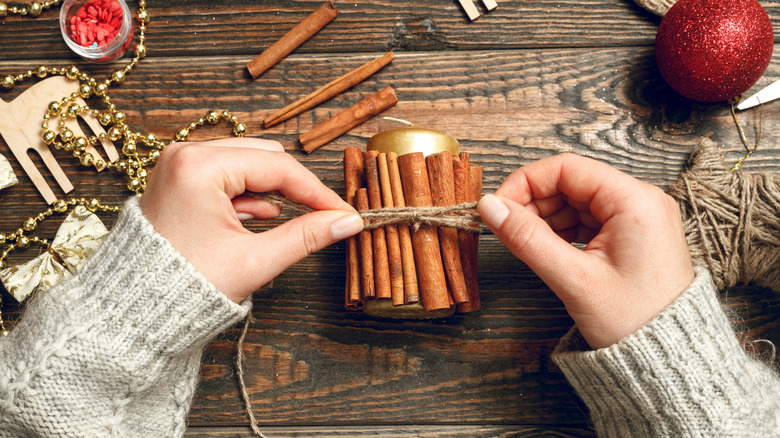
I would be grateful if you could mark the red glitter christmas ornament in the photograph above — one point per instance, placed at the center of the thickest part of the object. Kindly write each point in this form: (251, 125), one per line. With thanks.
(714, 50)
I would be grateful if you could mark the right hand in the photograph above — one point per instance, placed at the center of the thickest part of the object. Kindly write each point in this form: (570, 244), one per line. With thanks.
(636, 261)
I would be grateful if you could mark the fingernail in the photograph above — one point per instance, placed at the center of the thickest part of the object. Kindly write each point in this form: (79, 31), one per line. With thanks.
(244, 216)
(493, 211)
(346, 226)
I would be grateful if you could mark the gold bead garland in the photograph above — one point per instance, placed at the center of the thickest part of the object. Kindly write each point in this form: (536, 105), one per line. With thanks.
(32, 9)
(132, 162)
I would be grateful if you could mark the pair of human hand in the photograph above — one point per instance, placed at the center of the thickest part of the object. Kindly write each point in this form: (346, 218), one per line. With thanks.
(635, 264)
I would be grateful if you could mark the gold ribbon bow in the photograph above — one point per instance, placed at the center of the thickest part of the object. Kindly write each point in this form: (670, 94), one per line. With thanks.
(7, 176)
(78, 237)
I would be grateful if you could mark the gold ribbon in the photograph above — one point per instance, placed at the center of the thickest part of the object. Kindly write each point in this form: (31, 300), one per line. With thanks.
(7, 176)
(78, 237)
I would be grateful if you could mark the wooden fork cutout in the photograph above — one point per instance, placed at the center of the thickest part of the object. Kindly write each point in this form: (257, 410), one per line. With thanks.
(20, 127)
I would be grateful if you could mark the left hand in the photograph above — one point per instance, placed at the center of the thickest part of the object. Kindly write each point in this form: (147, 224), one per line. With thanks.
(194, 198)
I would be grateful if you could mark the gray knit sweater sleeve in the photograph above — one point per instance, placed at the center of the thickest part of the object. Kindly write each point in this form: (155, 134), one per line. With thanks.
(684, 374)
(115, 350)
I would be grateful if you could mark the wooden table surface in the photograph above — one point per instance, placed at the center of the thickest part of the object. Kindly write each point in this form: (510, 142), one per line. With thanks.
(528, 80)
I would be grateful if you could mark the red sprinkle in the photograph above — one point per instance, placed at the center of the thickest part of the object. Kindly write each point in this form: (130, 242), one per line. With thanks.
(96, 23)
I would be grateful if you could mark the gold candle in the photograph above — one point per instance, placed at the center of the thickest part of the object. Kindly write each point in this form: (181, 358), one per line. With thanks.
(406, 140)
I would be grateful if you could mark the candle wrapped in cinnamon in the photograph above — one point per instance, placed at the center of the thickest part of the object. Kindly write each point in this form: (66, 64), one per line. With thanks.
(418, 271)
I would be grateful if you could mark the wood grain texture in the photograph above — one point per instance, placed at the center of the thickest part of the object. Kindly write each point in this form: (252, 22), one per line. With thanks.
(395, 431)
(528, 80)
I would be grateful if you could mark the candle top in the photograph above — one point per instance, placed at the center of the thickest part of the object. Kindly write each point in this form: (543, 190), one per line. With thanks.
(406, 140)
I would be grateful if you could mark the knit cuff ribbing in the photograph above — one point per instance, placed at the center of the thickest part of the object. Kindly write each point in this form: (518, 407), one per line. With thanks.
(683, 372)
(139, 294)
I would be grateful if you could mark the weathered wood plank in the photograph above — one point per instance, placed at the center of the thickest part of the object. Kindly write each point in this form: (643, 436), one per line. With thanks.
(394, 431)
(246, 27)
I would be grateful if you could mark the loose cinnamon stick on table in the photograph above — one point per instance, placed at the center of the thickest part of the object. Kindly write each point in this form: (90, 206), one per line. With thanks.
(440, 175)
(353, 180)
(292, 39)
(470, 243)
(391, 233)
(427, 253)
(366, 251)
(411, 291)
(381, 262)
(348, 119)
(328, 90)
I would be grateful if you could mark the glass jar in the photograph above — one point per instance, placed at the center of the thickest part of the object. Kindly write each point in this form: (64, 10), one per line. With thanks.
(94, 52)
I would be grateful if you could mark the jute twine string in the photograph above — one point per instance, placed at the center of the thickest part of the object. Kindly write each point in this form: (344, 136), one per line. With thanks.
(461, 216)
(731, 219)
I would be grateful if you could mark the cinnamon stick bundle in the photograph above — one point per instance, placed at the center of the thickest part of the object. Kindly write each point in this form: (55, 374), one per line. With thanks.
(368, 290)
(427, 255)
(469, 242)
(381, 261)
(348, 119)
(292, 39)
(411, 290)
(391, 232)
(328, 90)
(353, 180)
(440, 175)
(436, 266)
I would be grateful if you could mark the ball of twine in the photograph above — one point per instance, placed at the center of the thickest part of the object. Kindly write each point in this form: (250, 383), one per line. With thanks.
(731, 219)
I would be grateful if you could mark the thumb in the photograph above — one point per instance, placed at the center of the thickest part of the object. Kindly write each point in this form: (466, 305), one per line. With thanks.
(532, 240)
(295, 239)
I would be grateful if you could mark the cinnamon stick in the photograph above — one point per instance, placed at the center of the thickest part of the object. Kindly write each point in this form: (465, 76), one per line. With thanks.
(348, 119)
(411, 291)
(366, 251)
(391, 233)
(469, 244)
(381, 262)
(328, 90)
(440, 175)
(353, 180)
(427, 254)
(292, 39)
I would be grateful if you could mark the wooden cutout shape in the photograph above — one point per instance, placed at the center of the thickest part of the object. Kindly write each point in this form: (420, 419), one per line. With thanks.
(470, 9)
(490, 4)
(20, 127)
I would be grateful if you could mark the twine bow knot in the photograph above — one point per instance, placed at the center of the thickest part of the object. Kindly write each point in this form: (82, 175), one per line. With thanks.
(77, 238)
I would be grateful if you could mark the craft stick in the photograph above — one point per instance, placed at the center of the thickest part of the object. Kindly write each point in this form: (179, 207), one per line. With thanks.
(425, 239)
(366, 251)
(379, 238)
(440, 176)
(292, 39)
(490, 4)
(353, 180)
(411, 290)
(328, 90)
(391, 233)
(470, 9)
(470, 245)
(348, 119)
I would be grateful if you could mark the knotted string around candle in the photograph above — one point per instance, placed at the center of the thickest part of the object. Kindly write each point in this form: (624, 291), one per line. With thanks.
(461, 216)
